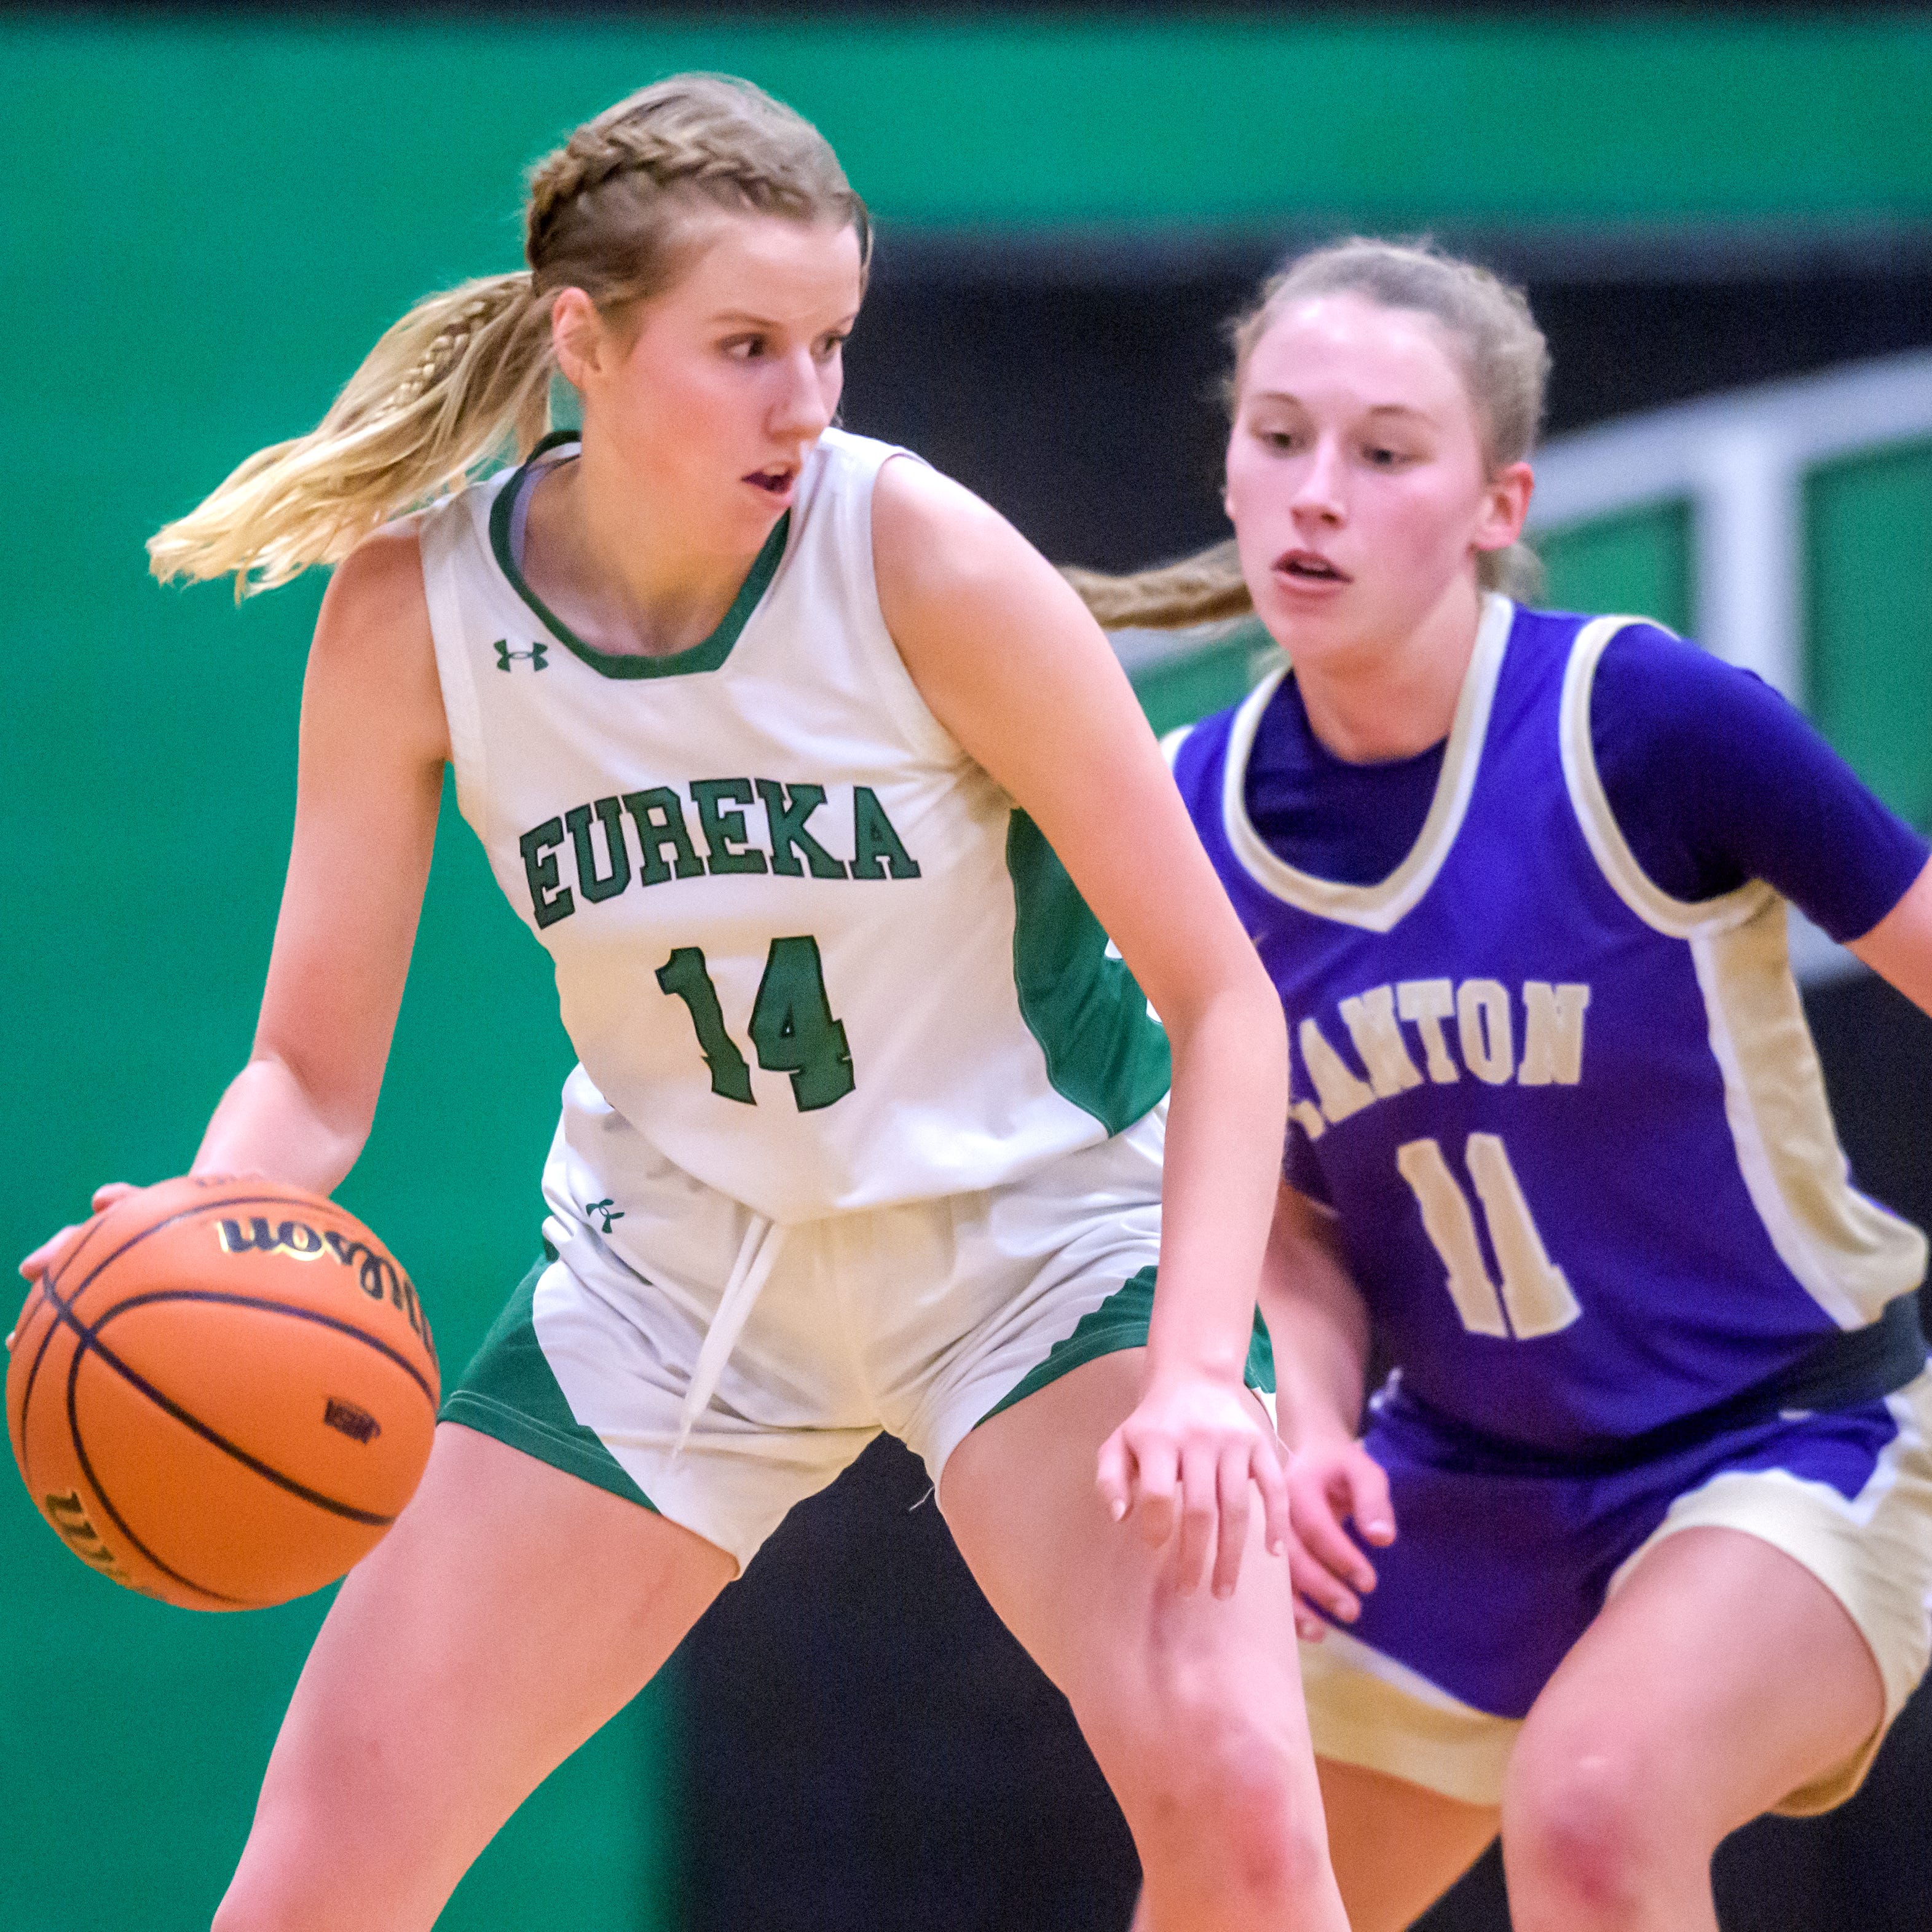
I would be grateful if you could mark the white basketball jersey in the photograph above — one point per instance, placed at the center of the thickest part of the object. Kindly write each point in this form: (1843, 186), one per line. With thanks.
(804, 945)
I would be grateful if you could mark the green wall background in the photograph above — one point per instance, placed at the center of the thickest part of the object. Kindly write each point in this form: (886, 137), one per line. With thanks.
(204, 224)
(984, 123)
(1868, 531)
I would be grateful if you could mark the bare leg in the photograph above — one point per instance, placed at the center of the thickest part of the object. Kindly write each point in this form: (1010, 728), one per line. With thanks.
(1396, 1847)
(1192, 1705)
(510, 1611)
(1721, 1677)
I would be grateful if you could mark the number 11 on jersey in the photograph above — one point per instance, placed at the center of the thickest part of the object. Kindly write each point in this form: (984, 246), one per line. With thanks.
(1534, 1290)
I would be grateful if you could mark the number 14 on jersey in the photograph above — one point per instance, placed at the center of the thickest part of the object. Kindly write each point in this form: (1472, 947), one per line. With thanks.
(793, 1030)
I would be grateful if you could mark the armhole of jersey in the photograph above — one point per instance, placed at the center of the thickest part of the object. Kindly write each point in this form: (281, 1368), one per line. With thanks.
(1851, 1255)
(1171, 745)
(442, 532)
(893, 684)
(1678, 918)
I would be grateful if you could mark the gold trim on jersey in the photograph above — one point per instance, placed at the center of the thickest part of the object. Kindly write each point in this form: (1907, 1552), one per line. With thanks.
(1375, 908)
(1367, 1709)
(1679, 919)
(1851, 1255)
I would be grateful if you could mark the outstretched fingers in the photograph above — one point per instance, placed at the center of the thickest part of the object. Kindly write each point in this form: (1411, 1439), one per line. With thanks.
(1234, 1499)
(1186, 1468)
(55, 1249)
(1369, 1500)
(1200, 1513)
(1329, 1569)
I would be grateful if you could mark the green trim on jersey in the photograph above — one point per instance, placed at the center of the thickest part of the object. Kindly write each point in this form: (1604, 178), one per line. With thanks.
(1121, 1322)
(508, 1391)
(705, 656)
(1104, 1051)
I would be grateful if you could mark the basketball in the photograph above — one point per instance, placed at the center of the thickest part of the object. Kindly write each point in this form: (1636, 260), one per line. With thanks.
(224, 1395)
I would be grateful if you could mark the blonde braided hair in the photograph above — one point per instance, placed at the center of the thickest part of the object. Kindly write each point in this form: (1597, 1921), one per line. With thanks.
(1505, 363)
(613, 211)
(1207, 588)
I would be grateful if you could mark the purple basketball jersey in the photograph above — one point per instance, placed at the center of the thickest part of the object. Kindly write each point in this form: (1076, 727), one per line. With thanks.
(1575, 1130)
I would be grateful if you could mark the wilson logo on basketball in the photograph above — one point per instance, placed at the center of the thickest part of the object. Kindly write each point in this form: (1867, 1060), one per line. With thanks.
(356, 1423)
(68, 1515)
(378, 1277)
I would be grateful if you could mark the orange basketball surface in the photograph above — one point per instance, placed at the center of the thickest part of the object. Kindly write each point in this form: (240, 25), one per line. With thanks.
(225, 1394)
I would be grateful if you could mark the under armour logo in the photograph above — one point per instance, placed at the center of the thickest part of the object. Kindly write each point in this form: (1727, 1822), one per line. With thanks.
(609, 1210)
(536, 654)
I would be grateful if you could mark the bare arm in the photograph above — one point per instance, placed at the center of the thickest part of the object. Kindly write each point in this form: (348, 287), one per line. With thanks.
(1012, 664)
(1319, 1324)
(1899, 948)
(374, 746)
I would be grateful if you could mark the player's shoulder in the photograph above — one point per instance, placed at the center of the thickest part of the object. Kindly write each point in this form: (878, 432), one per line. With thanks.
(1636, 666)
(910, 493)
(1626, 638)
(464, 520)
(1195, 752)
(939, 550)
(1647, 671)
(380, 580)
(373, 635)
(845, 449)
(842, 464)
(1552, 635)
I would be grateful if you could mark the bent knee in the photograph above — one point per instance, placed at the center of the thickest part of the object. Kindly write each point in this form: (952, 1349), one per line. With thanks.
(1595, 1827)
(1231, 1835)
(1212, 1784)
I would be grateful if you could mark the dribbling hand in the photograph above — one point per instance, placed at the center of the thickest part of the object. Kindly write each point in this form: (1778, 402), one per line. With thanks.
(1327, 1485)
(1189, 1459)
(53, 1252)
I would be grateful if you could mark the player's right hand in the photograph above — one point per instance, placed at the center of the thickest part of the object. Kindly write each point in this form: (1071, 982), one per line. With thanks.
(1328, 1483)
(51, 1252)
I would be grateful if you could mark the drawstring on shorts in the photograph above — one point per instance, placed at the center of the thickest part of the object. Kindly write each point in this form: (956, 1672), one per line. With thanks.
(757, 1255)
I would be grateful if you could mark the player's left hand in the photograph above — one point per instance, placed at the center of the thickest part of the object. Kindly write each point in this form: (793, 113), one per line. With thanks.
(1189, 1459)
(55, 1248)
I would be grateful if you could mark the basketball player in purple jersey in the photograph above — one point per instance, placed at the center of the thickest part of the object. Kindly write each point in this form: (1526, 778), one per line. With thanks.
(1642, 1520)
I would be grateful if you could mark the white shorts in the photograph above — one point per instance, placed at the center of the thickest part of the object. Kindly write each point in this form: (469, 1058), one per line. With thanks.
(921, 1321)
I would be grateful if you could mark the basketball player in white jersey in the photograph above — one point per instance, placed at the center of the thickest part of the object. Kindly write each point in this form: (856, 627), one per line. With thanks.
(806, 770)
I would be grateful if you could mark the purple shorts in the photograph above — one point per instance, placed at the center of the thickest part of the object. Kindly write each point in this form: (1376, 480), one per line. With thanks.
(1501, 1561)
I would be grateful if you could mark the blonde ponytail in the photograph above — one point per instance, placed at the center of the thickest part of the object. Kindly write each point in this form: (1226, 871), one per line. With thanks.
(465, 375)
(442, 392)
(1207, 588)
